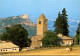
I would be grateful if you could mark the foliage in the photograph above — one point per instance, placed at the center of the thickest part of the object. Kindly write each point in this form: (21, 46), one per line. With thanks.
(65, 24)
(50, 39)
(16, 34)
(0, 36)
(61, 25)
(77, 37)
(58, 24)
(78, 29)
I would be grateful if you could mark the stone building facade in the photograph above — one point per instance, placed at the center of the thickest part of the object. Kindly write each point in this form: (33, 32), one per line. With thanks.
(41, 28)
(41, 25)
(65, 40)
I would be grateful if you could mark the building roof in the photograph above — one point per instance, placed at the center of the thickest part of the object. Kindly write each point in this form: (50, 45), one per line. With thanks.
(42, 16)
(6, 45)
(60, 35)
(38, 37)
(66, 38)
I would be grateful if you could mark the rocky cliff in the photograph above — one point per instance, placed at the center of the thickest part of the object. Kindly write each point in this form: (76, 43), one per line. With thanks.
(21, 19)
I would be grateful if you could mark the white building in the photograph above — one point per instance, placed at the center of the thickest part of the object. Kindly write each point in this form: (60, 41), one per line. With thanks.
(8, 47)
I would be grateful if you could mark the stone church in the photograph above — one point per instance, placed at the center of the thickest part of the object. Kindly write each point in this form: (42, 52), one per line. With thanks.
(41, 28)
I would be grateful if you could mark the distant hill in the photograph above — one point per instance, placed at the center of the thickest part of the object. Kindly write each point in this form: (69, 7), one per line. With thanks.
(30, 26)
(22, 19)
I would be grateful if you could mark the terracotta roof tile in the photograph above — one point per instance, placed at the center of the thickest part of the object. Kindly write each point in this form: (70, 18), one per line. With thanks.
(65, 37)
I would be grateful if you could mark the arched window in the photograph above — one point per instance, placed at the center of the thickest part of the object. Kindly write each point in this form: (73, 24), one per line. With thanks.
(39, 22)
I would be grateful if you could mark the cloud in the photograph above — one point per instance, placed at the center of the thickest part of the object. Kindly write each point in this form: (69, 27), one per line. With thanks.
(72, 26)
(51, 19)
(71, 21)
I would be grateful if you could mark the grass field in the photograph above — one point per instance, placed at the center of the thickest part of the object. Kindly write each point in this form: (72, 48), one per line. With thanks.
(48, 51)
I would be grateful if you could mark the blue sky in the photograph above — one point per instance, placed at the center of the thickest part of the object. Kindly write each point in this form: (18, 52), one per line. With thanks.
(34, 8)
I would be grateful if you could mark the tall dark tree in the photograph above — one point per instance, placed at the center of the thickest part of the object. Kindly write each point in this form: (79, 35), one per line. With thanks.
(65, 25)
(58, 24)
(61, 25)
(78, 29)
(16, 34)
(77, 37)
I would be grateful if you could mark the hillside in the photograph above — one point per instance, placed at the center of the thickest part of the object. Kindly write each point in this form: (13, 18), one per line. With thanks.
(22, 19)
(30, 26)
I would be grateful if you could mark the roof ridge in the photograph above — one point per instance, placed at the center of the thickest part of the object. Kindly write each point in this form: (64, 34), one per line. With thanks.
(42, 16)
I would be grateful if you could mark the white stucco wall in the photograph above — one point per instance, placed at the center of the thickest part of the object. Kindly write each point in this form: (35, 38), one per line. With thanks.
(9, 50)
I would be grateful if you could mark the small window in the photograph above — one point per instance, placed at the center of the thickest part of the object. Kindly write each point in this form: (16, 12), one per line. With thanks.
(6, 50)
(65, 43)
(70, 43)
(40, 44)
(15, 49)
(39, 22)
(60, 43)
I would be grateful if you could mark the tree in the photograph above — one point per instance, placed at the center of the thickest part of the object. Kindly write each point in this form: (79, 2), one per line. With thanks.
(61, 25)
(58, 25)
(78, 29)
(16, 34)
(50, 39)
(65, 25)
(77, 37)
(0, 36)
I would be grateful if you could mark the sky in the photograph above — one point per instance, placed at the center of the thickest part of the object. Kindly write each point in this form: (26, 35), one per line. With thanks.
(50, 8)
(34, 8)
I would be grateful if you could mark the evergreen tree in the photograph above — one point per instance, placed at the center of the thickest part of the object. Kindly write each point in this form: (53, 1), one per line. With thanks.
(65, 25)
(58, 24)
(78, 29)
(77, 37)
(61, 25)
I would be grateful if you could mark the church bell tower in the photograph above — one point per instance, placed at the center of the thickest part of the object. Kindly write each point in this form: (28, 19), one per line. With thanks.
(41, 25)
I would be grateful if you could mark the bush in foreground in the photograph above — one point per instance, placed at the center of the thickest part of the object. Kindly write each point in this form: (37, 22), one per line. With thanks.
(50, 39)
